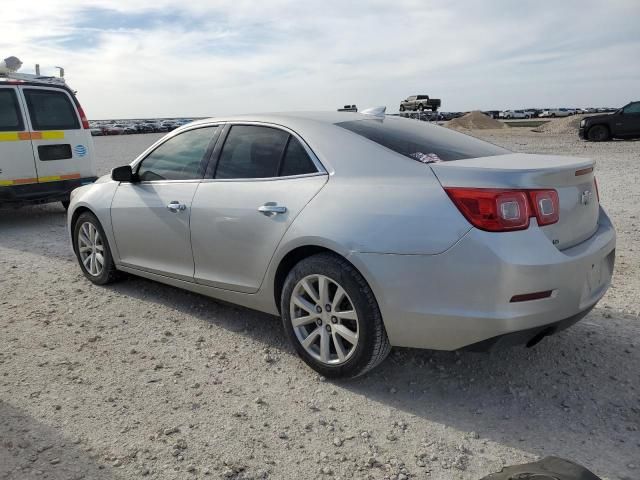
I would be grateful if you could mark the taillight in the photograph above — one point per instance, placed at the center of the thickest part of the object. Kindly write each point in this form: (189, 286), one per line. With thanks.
(545, 206)
(83, 117)
(497, 210)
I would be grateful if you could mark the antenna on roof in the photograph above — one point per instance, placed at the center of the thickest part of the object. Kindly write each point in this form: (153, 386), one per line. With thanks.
(374, 111)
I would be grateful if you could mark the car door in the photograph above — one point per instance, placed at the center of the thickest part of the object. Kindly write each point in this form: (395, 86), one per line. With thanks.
(263, 177)
(629, 120)
(150, 216)
(17, 165)
(62, 148)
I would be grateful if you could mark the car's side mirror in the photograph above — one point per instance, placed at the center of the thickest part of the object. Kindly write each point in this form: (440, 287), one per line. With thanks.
(122, 174)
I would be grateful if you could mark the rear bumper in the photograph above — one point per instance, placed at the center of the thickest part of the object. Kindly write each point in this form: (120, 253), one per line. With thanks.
(463, 296)
(46, 192)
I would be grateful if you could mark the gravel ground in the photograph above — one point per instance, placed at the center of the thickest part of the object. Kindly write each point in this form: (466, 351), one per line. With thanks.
(139, 379)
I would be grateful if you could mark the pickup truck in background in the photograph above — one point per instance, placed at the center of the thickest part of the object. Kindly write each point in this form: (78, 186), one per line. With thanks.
(420, 103)
(623, 123)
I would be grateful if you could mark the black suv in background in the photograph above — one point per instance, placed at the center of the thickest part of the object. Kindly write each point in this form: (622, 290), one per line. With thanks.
(623, 123)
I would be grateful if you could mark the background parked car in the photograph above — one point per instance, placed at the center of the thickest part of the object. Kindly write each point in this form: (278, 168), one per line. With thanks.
(554, 112)
(420, 103)
(624, 123)
(511, 114)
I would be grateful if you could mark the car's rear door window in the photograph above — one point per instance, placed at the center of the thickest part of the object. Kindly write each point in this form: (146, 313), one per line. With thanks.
(296, 160)
(180, 158)
(51, 110)
(10, 117)
(421, 141)
(251, 151)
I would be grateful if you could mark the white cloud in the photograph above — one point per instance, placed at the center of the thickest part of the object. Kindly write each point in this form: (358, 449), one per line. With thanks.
(151, 57)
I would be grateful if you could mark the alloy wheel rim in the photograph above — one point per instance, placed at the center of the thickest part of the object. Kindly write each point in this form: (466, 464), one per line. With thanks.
(324, 319)
(91, 249)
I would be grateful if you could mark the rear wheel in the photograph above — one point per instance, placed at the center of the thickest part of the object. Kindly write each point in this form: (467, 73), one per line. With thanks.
(92, 250)
(598, 133)
(332, 318)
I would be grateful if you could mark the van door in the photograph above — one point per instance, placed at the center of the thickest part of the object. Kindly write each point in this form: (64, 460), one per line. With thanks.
(62, 148)
(17, 165)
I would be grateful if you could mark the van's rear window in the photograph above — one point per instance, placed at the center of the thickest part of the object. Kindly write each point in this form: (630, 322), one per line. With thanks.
(10, 117)
(421, 141)
(51, 110)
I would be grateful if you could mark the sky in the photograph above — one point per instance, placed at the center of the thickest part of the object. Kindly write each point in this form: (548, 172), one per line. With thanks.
(160, 58)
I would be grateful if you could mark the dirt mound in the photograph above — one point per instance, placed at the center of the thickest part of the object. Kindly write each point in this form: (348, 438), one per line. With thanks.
(561, 125)
(475, 121)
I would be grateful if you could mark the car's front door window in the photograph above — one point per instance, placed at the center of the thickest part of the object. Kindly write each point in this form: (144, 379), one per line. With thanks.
(179, 158)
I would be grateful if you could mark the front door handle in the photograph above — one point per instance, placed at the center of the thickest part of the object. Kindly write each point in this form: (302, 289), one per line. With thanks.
(270, 209)
(176, 206)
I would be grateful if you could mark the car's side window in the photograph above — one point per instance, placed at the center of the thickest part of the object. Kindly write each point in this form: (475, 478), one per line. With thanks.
(10, 117)
(633, 108)
(296, 161)
(51, 110)
(251, 151)
(179, 158)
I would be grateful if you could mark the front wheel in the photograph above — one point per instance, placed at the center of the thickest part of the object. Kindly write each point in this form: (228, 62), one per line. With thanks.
(598, 133)
(92, 250)
(421, 108)
(332, 318)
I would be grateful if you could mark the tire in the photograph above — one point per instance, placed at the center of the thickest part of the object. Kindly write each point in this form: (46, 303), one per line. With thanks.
(402, 108)
(598, 133)
(371, 346)
(421, 108)
(553, 115)
(108, 273)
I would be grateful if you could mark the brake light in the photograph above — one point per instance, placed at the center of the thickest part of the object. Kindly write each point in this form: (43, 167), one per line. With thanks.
(497, 210)
(545, 206)
(83, 117)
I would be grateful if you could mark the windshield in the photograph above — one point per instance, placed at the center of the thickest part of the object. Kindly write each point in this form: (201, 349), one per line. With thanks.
(420, 140)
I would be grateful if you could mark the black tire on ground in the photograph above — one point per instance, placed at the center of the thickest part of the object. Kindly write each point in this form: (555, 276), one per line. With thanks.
(402, 108)
(598, 133)
(421, 108)
(109, 273)
(553, 115)
(373, 344)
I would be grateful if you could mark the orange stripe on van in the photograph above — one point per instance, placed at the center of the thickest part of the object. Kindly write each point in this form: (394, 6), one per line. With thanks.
(18, 136)
(23, 181)
(71, 176)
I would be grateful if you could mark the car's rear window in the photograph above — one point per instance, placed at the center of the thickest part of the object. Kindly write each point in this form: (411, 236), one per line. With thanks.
(421, 141)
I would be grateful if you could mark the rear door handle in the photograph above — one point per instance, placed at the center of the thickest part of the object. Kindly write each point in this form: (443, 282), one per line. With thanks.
(270, 209)
(176, 206)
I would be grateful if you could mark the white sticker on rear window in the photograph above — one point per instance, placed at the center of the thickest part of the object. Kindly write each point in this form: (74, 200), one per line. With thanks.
(426, 157)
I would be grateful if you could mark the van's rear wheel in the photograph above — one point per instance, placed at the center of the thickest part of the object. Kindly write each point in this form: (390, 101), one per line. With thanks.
(332, 318)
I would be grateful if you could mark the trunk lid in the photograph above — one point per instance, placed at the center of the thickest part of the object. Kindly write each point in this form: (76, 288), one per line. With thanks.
(573, 179)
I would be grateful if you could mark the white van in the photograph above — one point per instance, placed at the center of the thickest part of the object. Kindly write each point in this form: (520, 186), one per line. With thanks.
(46, 149)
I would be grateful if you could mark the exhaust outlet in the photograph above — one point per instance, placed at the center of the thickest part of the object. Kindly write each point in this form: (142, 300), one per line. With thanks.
(537, 338)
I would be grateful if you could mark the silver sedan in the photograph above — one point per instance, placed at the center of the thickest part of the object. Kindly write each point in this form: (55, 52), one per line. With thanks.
(361, 231)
